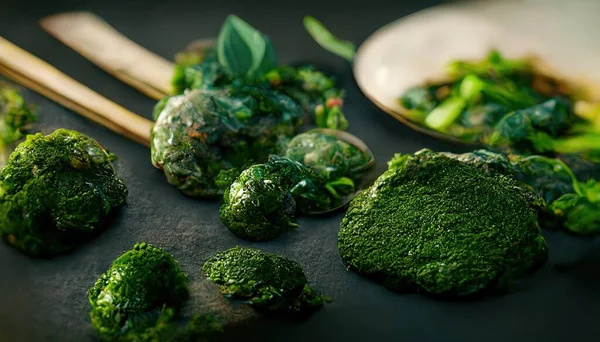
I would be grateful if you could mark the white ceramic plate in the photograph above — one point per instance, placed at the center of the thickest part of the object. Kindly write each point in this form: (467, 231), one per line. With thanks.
(416, 48)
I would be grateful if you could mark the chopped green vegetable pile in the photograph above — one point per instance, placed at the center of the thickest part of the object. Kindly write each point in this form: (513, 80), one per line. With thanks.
(270, 283)
(139, 298)
(507, 105)
(57, 191)
(440, 226)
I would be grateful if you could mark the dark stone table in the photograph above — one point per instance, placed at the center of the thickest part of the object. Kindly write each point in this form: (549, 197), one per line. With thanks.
(45, 300)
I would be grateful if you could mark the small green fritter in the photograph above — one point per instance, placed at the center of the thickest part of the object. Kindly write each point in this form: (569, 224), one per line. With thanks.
(140, 281)
(270, 282)
(262, 202)
(436, 225)
(139, 297)
(57, 191)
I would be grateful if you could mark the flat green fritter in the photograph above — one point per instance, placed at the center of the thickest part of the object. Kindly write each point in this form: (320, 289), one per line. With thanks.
(439, 226)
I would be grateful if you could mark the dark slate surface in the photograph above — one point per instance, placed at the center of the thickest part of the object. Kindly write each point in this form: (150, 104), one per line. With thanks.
(45, 300)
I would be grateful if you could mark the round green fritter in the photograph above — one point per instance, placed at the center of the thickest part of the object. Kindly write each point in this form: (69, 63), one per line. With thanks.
(261, 203)
(57, 191)
(269, 282)
(436, 225)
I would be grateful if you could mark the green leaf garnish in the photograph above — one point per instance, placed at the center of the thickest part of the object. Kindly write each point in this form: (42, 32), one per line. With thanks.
(328, 41)
(243, 50)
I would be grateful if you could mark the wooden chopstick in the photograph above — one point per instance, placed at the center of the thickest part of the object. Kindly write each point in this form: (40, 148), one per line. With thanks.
(31, 72)
(24, 81)
(106, 47)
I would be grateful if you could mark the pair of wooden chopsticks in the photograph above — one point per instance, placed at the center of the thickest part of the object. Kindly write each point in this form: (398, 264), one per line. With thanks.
(100, 43)
(31, 72)
(97, 41)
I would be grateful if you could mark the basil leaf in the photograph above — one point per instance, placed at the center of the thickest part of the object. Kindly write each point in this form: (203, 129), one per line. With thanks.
(269, 60)
(328, 41)
(243, 50)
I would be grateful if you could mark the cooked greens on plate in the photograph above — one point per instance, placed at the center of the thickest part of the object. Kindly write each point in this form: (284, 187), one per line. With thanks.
(439, 226)
(506, 104)
(57, 191)
(269, 282)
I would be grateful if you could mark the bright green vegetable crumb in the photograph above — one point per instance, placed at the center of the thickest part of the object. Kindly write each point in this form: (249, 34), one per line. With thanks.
(439, 226)
(269, 282)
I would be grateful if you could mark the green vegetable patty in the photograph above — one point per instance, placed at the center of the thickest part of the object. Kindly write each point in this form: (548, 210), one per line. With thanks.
(439, 226)
(270, 282)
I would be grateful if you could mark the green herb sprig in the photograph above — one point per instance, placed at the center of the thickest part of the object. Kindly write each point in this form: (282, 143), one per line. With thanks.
(243, 50)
